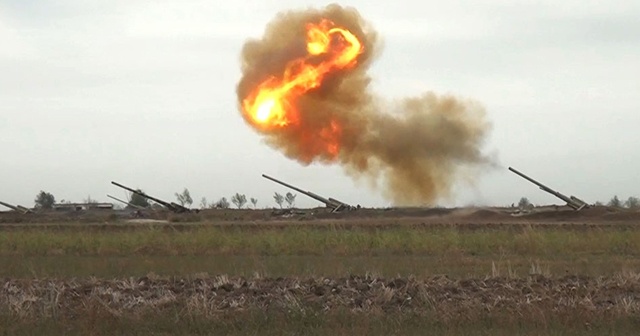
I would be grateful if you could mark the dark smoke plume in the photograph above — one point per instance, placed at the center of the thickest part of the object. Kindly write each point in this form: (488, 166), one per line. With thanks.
(418, 147)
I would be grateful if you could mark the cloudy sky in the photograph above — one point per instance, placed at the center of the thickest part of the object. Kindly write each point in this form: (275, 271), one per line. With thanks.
(143, 93)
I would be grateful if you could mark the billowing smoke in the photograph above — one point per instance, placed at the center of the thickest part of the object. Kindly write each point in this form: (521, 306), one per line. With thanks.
(416, 149)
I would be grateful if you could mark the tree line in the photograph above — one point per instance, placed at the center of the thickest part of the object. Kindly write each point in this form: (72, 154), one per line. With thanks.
(240, 200)
(630, 203)
(46, 200)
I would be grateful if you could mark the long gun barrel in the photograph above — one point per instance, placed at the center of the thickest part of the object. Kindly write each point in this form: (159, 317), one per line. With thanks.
(23, 209)
(125, 202)
(10, 206)
(16, 208)
(574, 202)
(330, 202)
(171, 206)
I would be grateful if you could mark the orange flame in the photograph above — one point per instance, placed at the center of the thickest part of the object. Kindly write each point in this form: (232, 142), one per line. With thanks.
(271, 105)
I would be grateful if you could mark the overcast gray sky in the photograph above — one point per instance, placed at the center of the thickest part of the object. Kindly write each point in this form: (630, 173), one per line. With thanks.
(143, 93)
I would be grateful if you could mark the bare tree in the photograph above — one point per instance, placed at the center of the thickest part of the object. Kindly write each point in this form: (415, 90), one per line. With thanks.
(203, 203)
(239, 200)
(254, 201)
(290, 199)
(184, 198)
(279, 199)
(222, 203)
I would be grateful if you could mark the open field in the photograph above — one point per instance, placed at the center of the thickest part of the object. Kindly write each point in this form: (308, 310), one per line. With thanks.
(202, 304)
(462, 272)
(311, 250)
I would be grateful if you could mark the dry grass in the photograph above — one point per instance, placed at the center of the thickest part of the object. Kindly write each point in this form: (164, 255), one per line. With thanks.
(204, 295)
(532, 300)
(509, 281)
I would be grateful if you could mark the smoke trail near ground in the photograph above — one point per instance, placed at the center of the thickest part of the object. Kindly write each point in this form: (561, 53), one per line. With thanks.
(305, 87)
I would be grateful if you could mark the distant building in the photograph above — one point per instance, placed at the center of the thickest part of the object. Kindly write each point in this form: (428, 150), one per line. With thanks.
(82, 206)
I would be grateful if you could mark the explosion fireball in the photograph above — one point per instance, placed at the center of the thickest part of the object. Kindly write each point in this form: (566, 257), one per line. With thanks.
(305, 88)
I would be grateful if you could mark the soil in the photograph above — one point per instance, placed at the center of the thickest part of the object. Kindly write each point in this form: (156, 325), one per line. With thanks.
(210, 295)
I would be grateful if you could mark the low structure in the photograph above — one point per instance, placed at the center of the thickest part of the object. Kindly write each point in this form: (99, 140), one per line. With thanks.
(82, 206)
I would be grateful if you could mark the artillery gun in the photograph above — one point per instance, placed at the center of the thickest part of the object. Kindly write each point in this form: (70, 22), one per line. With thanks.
(572, 201)
(18, 208)
(177, 208)
(331, 203)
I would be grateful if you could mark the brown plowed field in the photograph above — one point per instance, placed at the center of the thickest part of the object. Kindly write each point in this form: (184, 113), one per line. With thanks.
(617, 295)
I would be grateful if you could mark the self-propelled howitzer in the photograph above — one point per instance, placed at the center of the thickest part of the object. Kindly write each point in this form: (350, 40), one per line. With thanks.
(331, 203)
(169, 205)
(573, 202)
